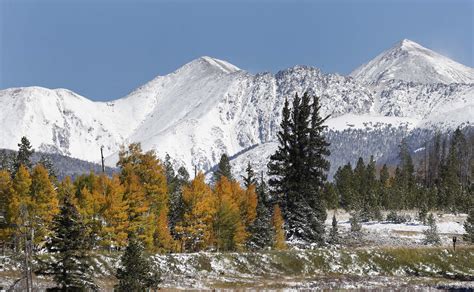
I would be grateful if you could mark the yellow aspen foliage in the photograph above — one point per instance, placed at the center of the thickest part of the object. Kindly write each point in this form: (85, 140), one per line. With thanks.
(229, 228)
(151, 174)
(141, 220)
(115, 214)
(21, 198)
(163, 241)
(6, 193)
(247, 200)
(279, 242)
(195, 230)
(20, 204)
(45, 203)
(240, 237)
(67, 189)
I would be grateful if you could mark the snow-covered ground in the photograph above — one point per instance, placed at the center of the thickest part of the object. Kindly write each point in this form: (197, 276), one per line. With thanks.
(386, 255)
(384, 233)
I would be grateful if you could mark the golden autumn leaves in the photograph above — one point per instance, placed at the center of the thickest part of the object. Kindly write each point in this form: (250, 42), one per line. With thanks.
(136, 200)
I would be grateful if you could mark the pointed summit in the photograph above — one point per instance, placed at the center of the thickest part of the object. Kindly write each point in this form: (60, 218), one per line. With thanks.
(207, 64)
(411, 62)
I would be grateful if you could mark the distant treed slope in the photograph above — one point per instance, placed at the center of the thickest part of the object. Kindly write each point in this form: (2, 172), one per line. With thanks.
(63, 165)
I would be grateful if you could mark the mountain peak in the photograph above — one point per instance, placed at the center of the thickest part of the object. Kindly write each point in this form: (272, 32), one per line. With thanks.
(411, 62)
(206, 62)
(407, 44)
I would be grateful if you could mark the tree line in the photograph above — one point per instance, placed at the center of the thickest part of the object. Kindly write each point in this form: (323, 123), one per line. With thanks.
(442, 179)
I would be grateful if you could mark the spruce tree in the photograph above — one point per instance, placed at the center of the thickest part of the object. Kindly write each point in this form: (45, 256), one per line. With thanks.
(23, 156)
(249, 178)
(344, 183)
(70, 264)
(360, 185)
(431, 234)
(356, 226)
(384, 179)
(177, 207)
(469, 226)
(135, 273)
(261, 229)
(298, 170)
(334, 233)
(223, 168)
(407, 176)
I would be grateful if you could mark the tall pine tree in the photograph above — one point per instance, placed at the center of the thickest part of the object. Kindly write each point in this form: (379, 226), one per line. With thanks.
(70, 266)
(298, 169)
(223, 168)
(135, 273)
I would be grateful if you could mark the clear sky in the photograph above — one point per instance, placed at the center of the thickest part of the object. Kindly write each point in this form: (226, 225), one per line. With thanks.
(104, 49)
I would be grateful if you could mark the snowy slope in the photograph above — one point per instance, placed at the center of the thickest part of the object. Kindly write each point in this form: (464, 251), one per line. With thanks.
(209, 107)
(411, 62)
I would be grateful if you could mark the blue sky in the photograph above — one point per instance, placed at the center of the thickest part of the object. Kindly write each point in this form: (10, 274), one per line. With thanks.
(104, 49)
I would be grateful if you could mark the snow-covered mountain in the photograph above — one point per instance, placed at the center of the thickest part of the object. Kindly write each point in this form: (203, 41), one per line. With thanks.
(209, 107)
(409, 61)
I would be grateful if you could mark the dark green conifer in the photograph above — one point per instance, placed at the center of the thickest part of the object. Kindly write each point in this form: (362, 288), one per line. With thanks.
(136, 273)
(249, 178)
(469, 226)
(334, 232)
(298, 169)
(261, 235)
(223, 168)
(431, 234)
(70, 263)
(23, 156)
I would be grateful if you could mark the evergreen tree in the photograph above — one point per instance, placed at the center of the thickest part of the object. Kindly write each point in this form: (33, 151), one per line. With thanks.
(177, 207)
(334, 233)
(356, 226)
(261, 229)
(298, 169)
(431, 234)
(384, 184)
(70, 264)
(7, 160)
(24, 154)
(223, 168)
(423, 213)
(249, 179)
(330, 196)
(407, 176)
(135, 273)
(344, 183)
(360, 185)
(469, 226)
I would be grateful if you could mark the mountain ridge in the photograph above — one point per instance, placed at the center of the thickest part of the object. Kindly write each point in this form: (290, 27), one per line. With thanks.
(208, 107)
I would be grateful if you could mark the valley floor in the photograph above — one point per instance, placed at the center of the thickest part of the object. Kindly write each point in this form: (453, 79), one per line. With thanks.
(385, 255)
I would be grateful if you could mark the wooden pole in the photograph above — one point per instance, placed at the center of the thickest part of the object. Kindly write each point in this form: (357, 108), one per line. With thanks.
(102, 158)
